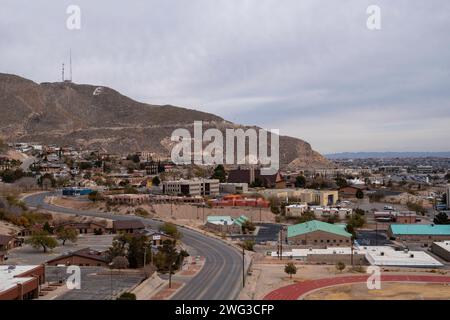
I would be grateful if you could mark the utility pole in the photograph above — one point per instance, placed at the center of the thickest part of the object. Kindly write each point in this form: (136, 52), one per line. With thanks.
(352, 252)
(281, 243)
(170, 274)
(243, 267)
(260, 217)
(376, 233)
(145, 256)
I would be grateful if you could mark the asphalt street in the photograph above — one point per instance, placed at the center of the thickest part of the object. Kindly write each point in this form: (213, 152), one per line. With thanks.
(219, 279)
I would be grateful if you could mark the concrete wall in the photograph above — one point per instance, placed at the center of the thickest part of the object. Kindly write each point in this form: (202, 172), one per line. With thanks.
(358, 259)
(441, 252)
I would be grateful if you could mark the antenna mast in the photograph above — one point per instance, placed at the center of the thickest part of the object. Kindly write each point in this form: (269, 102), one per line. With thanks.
(63, 72)
(70, 57)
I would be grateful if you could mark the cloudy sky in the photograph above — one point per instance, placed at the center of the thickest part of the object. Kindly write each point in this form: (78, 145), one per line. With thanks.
(310, 68)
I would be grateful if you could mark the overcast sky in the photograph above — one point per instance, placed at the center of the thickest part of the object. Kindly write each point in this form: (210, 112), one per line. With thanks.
(310, 68)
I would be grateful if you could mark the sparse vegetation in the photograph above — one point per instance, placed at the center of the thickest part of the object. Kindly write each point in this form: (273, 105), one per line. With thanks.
(41, 239)
(290, 269)
(340, 266)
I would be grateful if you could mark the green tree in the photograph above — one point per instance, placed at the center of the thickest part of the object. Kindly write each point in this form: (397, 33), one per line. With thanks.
(95, 196)
(219, 173)
(341, 182)
(248, 245)
(156, 181)
(65, 234)
(340, 266)
(120, 263)
(441, 218)
(47, 228)
(290, 269)
(248, 226)
(359, 194)
(300, 182)
(41, 239)
(306, 216)
(170, 229)
(137, 246)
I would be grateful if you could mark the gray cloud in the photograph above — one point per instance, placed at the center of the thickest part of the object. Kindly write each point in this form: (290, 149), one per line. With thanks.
(310, 68)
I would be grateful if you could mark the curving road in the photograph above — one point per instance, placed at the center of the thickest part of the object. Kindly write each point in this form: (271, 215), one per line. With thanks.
(219, 279)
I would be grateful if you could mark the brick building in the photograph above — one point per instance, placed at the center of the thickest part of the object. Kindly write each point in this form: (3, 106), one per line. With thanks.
(84, 257)
(21, 282)
(318, 234)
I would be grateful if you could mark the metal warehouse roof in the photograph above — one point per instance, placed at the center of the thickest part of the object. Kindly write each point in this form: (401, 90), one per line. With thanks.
(420, 229)
(316, 225)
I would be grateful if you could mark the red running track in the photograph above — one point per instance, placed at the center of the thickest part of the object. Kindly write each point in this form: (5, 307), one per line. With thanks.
(295, 291)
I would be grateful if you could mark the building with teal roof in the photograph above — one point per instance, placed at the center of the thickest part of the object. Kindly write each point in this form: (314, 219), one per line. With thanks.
(427, 233)
(226, 224)
(318, 234)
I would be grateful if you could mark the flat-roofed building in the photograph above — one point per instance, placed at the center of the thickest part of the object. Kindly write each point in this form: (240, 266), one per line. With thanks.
(424, 233)
(441, 249)
(21, 282)
(309, 196)
(296, 210)
(318, 234)
(195, 187)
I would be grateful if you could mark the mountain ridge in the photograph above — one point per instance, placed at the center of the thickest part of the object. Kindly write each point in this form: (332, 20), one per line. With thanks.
(100, 117)
(388, 154)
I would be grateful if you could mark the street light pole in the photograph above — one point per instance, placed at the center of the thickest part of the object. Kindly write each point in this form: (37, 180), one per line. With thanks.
(145, 256)
(243, 267)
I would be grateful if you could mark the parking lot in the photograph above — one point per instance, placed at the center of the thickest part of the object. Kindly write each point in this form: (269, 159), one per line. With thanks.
(372, 238)
(96, 283)
(266, 232)
(29, 255)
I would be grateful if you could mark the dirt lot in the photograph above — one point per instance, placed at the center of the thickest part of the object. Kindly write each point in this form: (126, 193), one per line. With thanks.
(184, 214)
(7, 228)
(389, 291)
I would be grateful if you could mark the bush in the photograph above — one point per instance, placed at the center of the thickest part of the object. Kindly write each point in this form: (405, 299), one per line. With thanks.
(127, 296)
(141, 212)
(248, 245)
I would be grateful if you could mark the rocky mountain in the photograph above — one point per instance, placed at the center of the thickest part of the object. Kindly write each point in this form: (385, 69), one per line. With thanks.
(97, 117)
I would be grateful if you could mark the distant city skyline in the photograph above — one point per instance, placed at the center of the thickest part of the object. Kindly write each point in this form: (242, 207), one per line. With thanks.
(311, 69)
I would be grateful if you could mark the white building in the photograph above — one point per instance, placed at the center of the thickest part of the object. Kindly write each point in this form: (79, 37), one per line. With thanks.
(375, 255)
(195, 187)
(321, 212)
(296, 210)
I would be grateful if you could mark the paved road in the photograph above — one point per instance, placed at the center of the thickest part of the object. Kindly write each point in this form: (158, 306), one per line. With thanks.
(219, 279)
